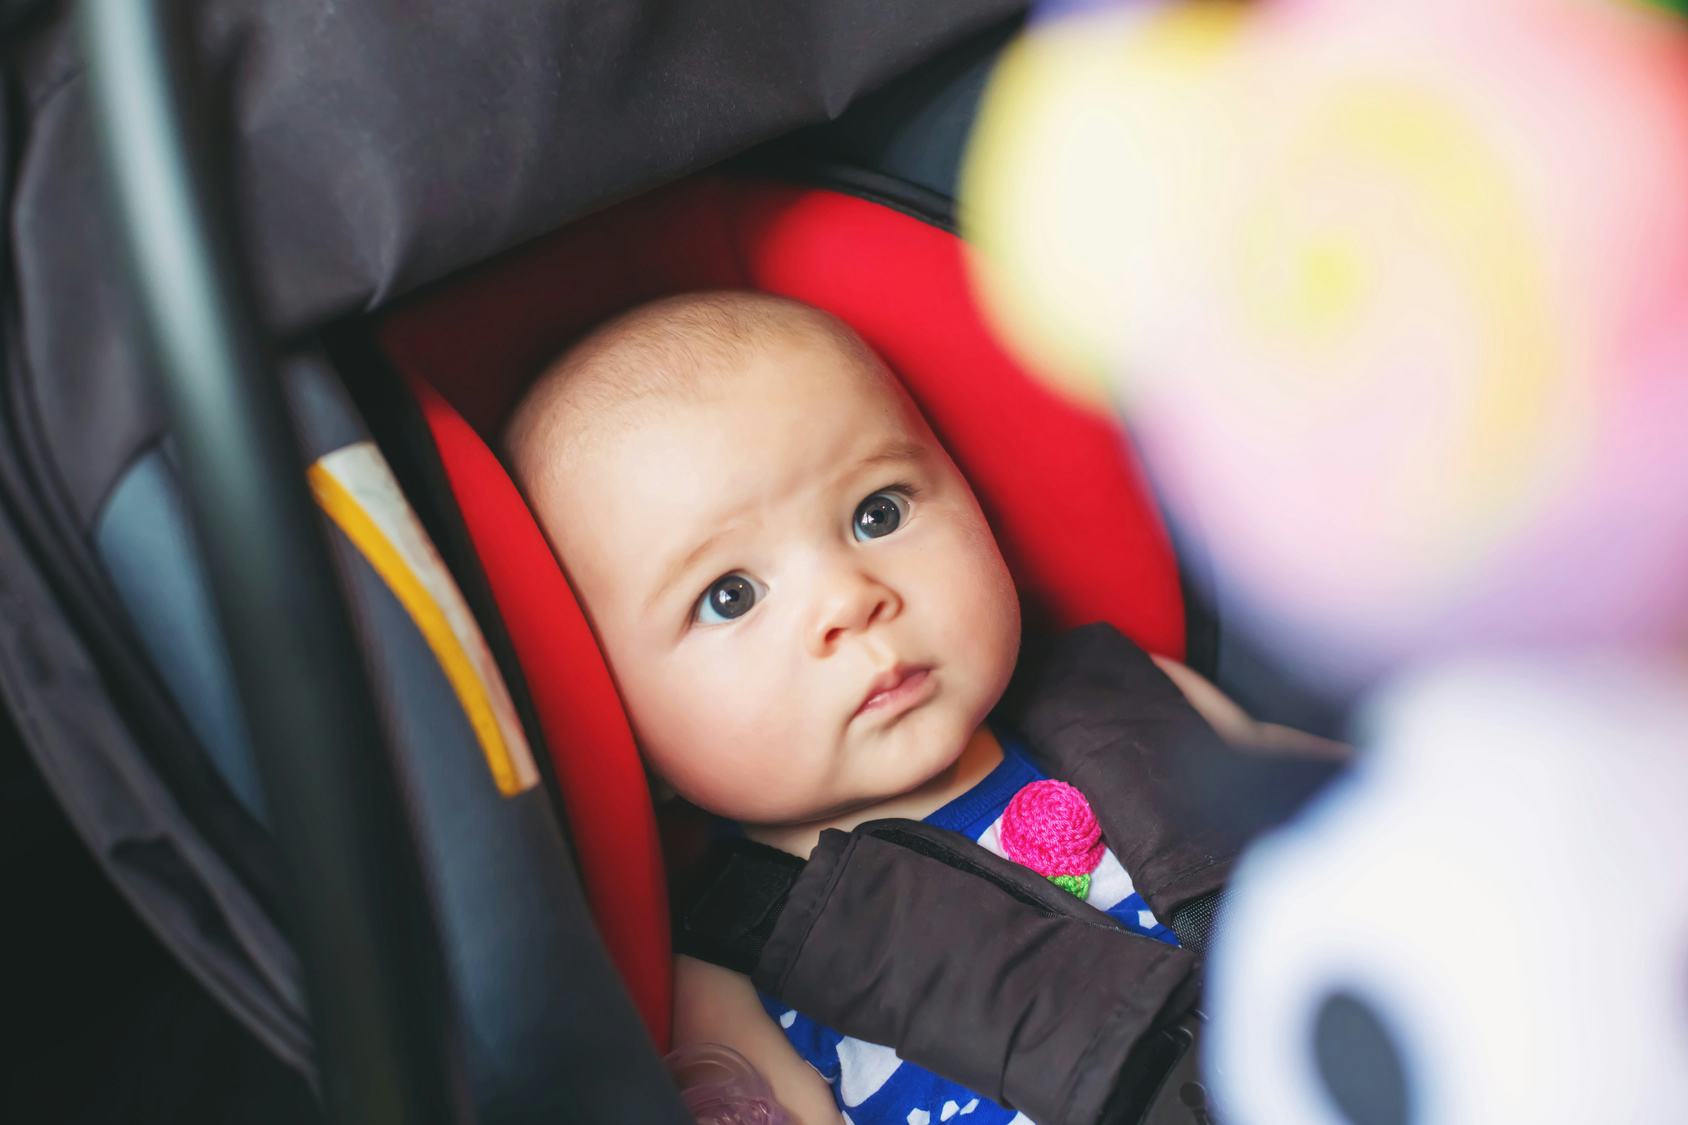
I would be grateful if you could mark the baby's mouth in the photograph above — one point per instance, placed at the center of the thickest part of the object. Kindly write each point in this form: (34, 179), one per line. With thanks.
(897, 690)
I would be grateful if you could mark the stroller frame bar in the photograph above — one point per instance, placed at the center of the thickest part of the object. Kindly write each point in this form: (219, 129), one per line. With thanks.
(356, 897)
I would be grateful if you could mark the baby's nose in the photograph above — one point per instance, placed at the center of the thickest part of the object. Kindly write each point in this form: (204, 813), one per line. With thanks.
(851, 604)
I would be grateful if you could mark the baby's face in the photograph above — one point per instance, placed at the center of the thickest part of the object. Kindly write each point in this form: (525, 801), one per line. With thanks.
(799, 599)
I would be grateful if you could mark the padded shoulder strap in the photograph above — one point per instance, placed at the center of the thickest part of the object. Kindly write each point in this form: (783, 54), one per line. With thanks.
(1176, 802)
(1019, 991)
(1068, 1016)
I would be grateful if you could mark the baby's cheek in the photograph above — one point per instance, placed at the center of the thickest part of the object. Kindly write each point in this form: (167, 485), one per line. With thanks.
(708, 766)
(736, 707)
(979, 580)
(669, 710)
(984, 616)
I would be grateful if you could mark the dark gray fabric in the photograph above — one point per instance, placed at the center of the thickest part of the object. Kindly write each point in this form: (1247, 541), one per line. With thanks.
(375, 146)
(916, 129)
(324, 416)
(14, 13)
(132, 824)
(145, 541)
(968, 964)
(547, 1031)
(1227, 647)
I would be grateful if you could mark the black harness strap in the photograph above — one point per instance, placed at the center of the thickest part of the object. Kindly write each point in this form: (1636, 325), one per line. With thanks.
(732, 901)
(1194, 922)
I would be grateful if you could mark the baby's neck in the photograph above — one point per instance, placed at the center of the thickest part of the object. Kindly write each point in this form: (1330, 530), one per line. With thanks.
(981, 755)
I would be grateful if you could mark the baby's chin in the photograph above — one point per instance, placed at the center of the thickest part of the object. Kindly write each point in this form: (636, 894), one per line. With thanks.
(882, 770)
(918, 777)
(794, 815)
(754, 806)
(820, 812)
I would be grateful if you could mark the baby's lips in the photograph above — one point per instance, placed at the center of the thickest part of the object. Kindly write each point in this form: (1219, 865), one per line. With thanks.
(888, 682)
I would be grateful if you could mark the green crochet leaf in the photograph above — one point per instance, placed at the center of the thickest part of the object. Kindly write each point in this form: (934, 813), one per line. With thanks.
(1076, 885)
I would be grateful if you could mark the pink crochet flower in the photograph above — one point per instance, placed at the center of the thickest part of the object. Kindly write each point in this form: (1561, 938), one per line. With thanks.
(1048, 827)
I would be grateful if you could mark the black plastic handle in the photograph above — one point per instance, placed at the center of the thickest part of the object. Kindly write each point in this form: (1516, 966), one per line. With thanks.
(358, 910)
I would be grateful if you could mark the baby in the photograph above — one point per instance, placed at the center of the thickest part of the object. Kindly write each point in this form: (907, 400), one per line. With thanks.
(803, 608)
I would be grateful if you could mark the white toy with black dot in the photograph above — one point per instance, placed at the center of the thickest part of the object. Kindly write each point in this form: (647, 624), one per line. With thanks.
(1487, 922)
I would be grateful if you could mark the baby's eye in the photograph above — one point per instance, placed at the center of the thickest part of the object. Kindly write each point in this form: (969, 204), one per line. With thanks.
(728, 597)
(880, 514)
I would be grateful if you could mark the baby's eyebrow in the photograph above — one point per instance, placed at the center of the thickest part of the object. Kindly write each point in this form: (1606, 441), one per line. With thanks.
(895, 452)
(675, 570)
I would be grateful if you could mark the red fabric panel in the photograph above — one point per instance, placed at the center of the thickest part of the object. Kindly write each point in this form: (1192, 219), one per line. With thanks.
(1067, 501)
(603, 784)
(1066, 498)
(481, 336)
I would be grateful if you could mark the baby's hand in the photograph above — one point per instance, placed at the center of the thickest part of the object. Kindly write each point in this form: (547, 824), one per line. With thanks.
(1236, 726)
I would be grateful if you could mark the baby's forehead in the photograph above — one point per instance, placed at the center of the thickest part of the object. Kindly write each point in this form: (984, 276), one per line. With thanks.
(603, 413)
(795, 373)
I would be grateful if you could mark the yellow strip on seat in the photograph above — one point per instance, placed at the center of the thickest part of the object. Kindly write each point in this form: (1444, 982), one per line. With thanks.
(356, 489)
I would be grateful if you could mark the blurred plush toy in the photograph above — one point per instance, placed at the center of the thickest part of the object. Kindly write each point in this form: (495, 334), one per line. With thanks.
(1487, 923)
(1394, 297)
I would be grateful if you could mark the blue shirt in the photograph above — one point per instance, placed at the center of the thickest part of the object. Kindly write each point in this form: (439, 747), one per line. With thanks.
(871, 1084)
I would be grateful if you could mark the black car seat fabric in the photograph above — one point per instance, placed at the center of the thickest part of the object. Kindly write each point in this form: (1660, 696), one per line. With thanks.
(521, 952)
(518, 941)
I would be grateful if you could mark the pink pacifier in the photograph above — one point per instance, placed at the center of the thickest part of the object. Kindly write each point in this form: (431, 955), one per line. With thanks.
(720, 1087)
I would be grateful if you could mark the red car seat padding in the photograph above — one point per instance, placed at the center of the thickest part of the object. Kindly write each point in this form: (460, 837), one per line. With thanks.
(1065, 497)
